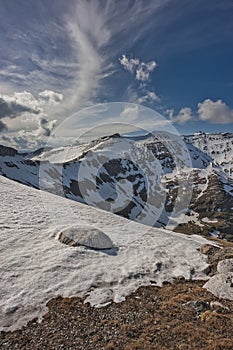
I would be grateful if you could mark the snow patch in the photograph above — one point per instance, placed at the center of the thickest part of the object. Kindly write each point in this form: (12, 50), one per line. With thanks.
(209, 221)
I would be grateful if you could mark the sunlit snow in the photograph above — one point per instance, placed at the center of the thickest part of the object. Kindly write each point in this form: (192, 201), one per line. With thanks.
(35, 266)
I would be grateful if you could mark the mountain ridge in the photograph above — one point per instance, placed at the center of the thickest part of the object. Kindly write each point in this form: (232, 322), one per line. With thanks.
(115, 164)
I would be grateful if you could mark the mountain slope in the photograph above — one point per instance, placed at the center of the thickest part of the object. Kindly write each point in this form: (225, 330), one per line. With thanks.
(35, 266)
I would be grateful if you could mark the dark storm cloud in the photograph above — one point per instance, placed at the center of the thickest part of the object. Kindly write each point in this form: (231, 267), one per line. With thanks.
(16, 104)
(46, 127)
(13, 108)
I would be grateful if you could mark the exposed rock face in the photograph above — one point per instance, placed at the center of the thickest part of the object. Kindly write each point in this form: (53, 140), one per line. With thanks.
(222, 254)
(221, 270)
(217, 145)
(7, 151)
(87, 236)
(219, 258)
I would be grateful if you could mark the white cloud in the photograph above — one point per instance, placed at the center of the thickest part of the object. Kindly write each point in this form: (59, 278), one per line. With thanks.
(26, 121)
(72, 48)
(144, 69)
(89, 33)
(25, 117)
(184, 115)
(130, 114)
(141, 70)
(149, 97)
(33, 139)
(129, 63)
(50, 97)
(25, 103)
(215, 112)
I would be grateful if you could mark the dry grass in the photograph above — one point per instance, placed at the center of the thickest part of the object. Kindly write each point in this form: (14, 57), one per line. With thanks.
(151, 318)
(178, 316)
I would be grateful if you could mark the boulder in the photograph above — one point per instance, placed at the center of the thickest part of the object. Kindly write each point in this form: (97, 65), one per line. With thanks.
(87, 236)
(221, 285)
(225, 266)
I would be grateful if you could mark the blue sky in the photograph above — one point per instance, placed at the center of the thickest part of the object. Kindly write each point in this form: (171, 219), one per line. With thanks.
(58, 57)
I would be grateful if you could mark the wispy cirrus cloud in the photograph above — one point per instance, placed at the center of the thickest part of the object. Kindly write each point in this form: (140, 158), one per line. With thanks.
(73, 48)
(70, 47)
(89, 35)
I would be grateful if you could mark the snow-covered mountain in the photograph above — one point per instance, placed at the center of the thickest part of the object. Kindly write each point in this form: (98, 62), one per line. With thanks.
(218, 146)
(159, 180)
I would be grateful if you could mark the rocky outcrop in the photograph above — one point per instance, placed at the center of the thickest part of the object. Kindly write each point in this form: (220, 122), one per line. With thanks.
(221, 269)
(7, 151)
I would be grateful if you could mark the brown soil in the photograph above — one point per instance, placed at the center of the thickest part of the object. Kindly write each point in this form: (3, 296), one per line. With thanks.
(176, 316)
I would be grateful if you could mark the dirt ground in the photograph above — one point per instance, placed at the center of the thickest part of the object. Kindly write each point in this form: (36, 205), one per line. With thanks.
(181, 315)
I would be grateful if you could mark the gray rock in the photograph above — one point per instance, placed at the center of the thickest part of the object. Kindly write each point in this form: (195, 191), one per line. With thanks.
(198, 305)
(221, 285)
(225, 266)
(84, 235)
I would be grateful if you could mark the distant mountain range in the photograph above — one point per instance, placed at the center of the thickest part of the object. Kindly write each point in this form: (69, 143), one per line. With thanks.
(161, 180)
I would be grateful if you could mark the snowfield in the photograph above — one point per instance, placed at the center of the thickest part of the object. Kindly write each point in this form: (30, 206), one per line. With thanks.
(36, 266)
